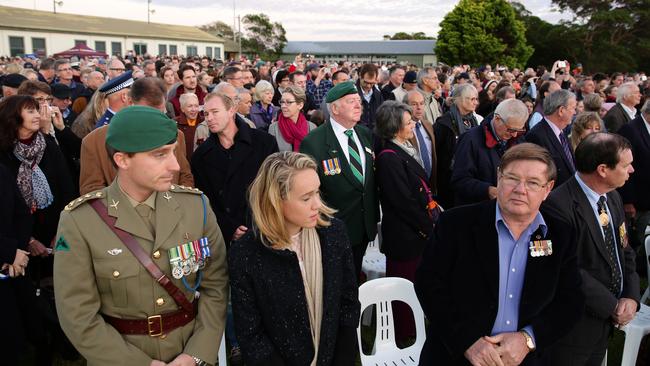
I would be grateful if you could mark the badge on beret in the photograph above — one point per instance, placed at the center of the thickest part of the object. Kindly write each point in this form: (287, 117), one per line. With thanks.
(622, 233)
(332, 166)
(540, 248)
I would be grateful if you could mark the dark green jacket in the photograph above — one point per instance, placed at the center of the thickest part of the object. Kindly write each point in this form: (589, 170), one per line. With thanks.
(356, 203)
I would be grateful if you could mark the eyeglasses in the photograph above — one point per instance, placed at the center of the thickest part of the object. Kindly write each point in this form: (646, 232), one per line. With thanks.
(287, 102)
(66, 69)
(43, 100)
(117, 69)
(512, 181)
(239, 78)
(508, 128)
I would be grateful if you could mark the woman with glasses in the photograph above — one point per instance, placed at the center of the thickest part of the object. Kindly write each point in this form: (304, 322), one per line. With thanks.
(292, 125)
(478, 154)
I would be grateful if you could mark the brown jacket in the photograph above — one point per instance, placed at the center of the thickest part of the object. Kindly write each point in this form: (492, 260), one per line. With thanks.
(98, 172)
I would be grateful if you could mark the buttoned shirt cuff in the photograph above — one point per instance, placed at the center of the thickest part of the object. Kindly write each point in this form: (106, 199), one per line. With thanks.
(529, 329)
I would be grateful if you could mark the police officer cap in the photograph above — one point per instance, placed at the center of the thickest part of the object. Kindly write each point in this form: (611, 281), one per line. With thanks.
(140, 128)
(340, 90)
(123, 81)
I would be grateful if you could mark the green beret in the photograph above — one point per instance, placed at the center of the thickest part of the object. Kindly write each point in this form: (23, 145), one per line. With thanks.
(140, 128)
(340, 90)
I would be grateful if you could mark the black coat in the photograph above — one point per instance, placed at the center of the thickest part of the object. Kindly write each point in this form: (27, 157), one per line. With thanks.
(476, 161)
(369, 114)
(270, 309)
(543, 135)
(406, 226)
(56, 170)
(446, 139)
(616, 118)
(635, 190)
(458, 285)
(224, 175)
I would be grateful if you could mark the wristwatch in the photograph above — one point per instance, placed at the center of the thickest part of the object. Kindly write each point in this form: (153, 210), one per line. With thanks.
(529, 340)
(199, 362)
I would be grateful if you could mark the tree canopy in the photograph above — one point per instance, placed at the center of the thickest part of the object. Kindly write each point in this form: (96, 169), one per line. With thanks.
(219, 28)
(406, 36)
(262, 36)
(483, 31)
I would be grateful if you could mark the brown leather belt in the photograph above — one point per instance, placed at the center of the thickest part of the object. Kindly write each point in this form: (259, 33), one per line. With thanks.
(155, 325)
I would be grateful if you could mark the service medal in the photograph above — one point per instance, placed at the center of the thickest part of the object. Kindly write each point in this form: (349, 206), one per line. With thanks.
(603, 217)
(177, 272)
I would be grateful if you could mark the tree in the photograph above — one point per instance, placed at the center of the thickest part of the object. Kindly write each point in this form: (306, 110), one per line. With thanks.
(407, 36)
(218, 28)
(263, 37)
(483, 31)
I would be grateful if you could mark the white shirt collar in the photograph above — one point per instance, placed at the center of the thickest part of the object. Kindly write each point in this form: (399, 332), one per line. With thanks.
(630, 111)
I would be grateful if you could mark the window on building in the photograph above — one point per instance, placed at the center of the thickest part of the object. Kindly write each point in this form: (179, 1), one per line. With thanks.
(17, 46)
(100, 46)
(208, 52)
(191, 51)
(162, 49)
(173, 50)
(140, 48)
(116, 48)
(217, 52)
(38, 46)
(79, 42)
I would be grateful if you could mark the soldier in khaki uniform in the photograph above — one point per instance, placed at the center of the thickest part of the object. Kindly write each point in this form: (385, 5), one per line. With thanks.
(109, 305)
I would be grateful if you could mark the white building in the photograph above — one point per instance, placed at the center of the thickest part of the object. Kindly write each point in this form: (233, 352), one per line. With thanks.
(24, 31)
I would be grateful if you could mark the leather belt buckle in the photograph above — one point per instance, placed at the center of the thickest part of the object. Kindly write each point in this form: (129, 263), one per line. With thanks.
(153, 320)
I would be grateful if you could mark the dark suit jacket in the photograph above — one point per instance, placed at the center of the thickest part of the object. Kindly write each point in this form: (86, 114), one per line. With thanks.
(458, 285)
(356, 203)
(569, 204)
(543, 135)
(635, 190)
(615, 118)
(227, 193)
(406, 226)
(270, 309)
(476, 161)
(368, 117)
(432, 181)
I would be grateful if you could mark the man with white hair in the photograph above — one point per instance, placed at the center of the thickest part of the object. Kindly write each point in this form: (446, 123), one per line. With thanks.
(627, 97)
(115, 69)
(189, 119)
(427, 81)
(479, 151)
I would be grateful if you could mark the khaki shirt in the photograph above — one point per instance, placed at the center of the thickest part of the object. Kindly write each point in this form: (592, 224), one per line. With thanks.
(95, 274)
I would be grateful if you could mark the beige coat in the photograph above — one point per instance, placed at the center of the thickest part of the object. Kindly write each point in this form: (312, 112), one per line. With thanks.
(99, 275)
(97, 171)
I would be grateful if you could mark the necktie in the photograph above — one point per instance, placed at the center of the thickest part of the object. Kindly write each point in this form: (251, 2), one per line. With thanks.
(355, 158)
(567, 150)
(610, 245)
(424, 151)
(145, 213)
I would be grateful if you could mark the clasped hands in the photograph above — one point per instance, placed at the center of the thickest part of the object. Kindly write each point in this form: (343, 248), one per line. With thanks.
(624, 312)
(182, 360)
(20, 263)
(505, 349)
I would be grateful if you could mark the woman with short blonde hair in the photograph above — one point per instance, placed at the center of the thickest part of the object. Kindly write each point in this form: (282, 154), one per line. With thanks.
(297, 258)
(585, 124)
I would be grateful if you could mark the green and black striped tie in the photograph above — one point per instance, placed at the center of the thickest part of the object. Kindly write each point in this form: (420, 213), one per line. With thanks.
(355, 157)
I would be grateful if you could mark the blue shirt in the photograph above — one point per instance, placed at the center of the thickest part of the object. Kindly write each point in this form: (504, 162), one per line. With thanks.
(593, 198)
(513, 256)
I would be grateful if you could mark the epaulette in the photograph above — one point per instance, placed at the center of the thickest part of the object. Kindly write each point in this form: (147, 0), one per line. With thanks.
(182, 189)
(86, 197)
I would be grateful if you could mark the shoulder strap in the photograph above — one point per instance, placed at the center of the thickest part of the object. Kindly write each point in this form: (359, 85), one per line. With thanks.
(391, 151)
(142, 257)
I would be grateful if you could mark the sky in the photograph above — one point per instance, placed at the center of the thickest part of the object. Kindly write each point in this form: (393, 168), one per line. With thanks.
(328, 20)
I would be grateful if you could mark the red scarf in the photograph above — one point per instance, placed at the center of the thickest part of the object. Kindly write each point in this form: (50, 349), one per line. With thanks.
(293, 133)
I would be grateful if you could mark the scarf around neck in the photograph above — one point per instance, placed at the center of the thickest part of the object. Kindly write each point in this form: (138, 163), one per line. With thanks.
(31, 180)
(462, 124)
(293, 133)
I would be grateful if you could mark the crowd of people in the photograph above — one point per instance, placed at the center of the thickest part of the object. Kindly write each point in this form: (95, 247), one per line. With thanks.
(152, 203)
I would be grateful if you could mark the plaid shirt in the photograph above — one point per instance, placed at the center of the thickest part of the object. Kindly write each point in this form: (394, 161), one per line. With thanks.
(319, 92)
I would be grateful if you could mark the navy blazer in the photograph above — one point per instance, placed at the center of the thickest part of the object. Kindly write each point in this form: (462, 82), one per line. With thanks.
(543, 135)
(635, 190)
(458, 285)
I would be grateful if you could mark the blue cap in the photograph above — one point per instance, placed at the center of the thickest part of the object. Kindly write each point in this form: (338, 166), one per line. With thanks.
(123, 81)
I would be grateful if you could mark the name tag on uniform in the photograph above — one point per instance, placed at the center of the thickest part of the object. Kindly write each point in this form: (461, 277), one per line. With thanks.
(540, 248)
(331, 166)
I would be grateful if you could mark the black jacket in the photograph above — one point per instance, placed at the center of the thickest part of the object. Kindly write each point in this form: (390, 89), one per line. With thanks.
(446, 139)
(465, 252)
(15, 220)
(56, 170)
(406, 226)
(616, 118)
(224, 175)
(543, 135)
(270, 309)
(635, 190)
(368, 115)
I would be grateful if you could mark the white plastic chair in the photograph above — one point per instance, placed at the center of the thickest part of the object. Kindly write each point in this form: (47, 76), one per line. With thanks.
(634, 333)
(222, 359)
(381, 292)
(647, 263)
(373, 266)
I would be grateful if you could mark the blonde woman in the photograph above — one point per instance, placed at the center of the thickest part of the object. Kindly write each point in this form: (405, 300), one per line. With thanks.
(585, 124)
(294, 291)
(95, 109)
